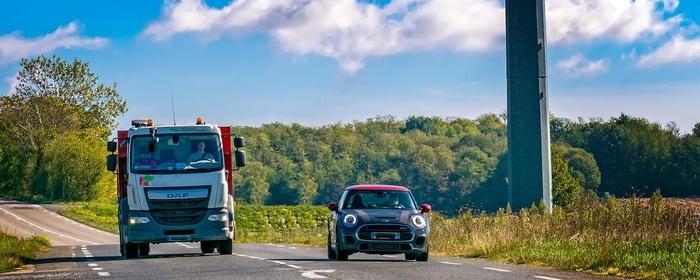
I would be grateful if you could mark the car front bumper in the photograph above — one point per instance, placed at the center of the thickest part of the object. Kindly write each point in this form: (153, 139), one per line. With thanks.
(350, 241)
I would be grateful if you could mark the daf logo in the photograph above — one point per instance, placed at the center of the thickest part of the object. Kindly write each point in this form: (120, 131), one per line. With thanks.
(178, 195)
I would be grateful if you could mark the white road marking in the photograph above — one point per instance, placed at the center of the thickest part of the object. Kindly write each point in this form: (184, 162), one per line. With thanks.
(44, 229)
(280, 245)
(103, 273)
(96, 268)
(496, 269)
(92, 264)
(257, 258)
(451, 263)
(293, 248)
(546, 278)
(184, 245)
(294, 266)
(390, 256)
(279, 262)
(312, 273)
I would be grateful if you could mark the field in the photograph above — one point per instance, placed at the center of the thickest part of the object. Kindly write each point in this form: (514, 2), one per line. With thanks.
(651, 238)
(15, 251)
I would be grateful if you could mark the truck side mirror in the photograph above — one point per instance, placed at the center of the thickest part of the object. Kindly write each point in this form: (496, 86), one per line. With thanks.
(240, 158)
(112, 146)
(112, 162)
(238, 142)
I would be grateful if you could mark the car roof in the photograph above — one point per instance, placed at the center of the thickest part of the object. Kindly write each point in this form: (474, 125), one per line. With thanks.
(377, 188)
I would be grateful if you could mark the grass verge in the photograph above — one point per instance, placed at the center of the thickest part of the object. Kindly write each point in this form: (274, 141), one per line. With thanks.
(646, 239)
(15, 251)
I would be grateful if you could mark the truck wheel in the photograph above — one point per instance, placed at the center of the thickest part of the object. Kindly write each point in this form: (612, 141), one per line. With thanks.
(131, 250)
(226, 247)
(207, 247)
(144, 249)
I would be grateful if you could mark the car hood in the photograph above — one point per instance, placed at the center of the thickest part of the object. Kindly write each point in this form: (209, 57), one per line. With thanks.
(383, 216)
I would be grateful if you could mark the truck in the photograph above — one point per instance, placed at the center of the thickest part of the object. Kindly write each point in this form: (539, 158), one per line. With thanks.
(175, 184)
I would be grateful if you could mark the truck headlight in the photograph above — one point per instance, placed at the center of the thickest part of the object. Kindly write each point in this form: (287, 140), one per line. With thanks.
(139, 220)
(221, 217)
(418, 221)
(350, 220)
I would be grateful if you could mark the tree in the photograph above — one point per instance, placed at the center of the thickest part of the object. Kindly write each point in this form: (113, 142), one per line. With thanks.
(54, 97)
(565, 187)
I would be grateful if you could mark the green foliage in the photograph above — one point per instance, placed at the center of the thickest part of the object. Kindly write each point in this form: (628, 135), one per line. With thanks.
(51, 127)
(98, 215)
(634, 156)
(15, 251)
(442, 161)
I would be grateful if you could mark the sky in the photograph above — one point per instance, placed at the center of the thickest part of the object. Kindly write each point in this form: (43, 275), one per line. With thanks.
(318, 62)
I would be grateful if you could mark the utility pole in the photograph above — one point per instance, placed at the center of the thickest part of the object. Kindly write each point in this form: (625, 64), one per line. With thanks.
(529, 164)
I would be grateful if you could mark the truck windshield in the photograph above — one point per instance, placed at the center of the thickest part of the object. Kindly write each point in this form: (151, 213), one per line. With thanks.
(379, 200)
(176, 153)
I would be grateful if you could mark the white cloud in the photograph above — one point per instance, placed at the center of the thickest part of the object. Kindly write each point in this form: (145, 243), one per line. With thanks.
(678, 50)
(579, 65)
(14, 47)
(11, 83)
(571, 21)
(350, 31)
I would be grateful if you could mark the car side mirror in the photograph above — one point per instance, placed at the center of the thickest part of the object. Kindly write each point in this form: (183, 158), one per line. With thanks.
(425, 208)
(112, 146)
(238, 142)
(240, 158)
(333, 206)
(112, 162)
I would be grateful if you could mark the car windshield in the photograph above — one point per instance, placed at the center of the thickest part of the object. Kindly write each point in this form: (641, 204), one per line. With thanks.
(174, 153)
(379, 200)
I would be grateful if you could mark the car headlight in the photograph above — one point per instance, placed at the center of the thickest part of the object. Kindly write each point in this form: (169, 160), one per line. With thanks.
(139, 220)
(218, 217)
(418, 221)
(350, 220)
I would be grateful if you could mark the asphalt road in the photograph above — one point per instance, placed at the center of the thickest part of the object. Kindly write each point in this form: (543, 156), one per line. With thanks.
(81, 252)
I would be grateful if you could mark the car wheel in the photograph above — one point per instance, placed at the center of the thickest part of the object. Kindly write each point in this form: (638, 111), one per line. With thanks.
(340, 254)
(331, 252)
(226, 247)
(423, 257)
(144, 249)
(410, 256)
(207, 247)
(131, 250)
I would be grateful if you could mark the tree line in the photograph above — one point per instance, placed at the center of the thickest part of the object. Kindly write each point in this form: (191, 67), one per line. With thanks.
(54, 126)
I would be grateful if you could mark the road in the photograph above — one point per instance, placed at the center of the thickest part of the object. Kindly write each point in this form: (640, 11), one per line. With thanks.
(81, 252)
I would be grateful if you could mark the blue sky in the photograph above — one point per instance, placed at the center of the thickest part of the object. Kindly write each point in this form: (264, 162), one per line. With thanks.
(321, 61)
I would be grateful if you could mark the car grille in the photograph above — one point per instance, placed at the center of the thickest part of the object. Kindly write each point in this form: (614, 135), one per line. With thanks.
(384, 232)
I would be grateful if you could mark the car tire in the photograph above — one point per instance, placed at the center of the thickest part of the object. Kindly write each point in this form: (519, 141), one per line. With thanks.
(144, 249)
(410, 256)
(340, 254)
(226, 247)
(423, 257)
(331, 252)
(131, 250)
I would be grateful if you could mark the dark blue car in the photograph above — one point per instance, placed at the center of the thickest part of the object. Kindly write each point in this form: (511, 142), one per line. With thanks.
(378, 219)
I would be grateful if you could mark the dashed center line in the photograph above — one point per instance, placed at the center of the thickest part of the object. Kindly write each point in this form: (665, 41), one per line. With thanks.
(496, 269)
(546, 278)
(451, 263)
(103, 273)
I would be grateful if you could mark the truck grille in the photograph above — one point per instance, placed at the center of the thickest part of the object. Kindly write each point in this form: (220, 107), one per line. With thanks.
(381, 232)
(177, 212)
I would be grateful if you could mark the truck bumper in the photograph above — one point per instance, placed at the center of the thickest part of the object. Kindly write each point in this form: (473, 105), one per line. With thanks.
(154, 232)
